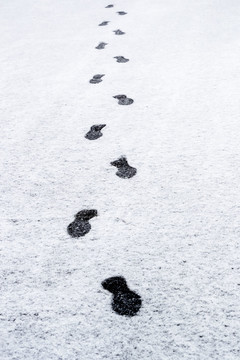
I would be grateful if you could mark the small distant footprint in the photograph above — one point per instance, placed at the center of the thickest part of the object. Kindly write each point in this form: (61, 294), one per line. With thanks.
(121, 59)
(96, 79)
(125, 171)
(123, 100)
(109, 6)
(121, 13)
(119, 32)
(95, 132)
(125, 301)
(104, 23)
(101, 46)
(80, 226)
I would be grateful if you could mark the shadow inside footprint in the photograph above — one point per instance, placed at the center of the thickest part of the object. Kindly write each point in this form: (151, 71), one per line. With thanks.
(121, 13)
(125, 171)
(123, 100)
(96, 79)
(124, 301)
(121, 59)
(104, 23)
(95, 132)
(80, 226)
(118, 32)
(109, 6)
(101, 46)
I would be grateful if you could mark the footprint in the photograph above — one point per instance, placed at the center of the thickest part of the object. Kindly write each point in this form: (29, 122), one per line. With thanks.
(119, 32)
(101, 46)
(95, 132)
(80, 226)
(123, 100)
(124, 301)
(121, 12)
(109, 6)
(96, 79)
(104, 23)
(125, 171)
(121, 59)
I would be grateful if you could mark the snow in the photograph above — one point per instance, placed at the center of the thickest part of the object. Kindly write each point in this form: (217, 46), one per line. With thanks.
(172, 230)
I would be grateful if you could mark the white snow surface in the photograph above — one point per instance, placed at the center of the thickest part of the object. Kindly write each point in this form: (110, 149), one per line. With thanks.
(172, 231)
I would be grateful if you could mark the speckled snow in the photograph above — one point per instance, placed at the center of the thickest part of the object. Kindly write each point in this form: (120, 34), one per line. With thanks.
(172, 230)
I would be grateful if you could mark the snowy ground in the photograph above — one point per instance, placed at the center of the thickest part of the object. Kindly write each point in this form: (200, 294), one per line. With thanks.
(172, 231)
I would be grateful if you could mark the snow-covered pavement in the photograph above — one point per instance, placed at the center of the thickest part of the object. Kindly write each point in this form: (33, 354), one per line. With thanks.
(172, 230)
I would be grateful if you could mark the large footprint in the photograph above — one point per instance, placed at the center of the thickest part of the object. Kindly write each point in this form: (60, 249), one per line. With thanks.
(123, 100)
(125, 171)
(96, 79)
(124, 302)
(95, 132)
(80, 226)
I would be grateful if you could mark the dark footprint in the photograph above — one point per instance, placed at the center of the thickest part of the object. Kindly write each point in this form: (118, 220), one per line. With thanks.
(80, 226)
(119, 32)
(121, 59)
(125, 171)
(109, 6)
(101, 45)
(124, 302)
(95, 132)
(121, 13)
(123, 100)
(104, 23)
(96, 79)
